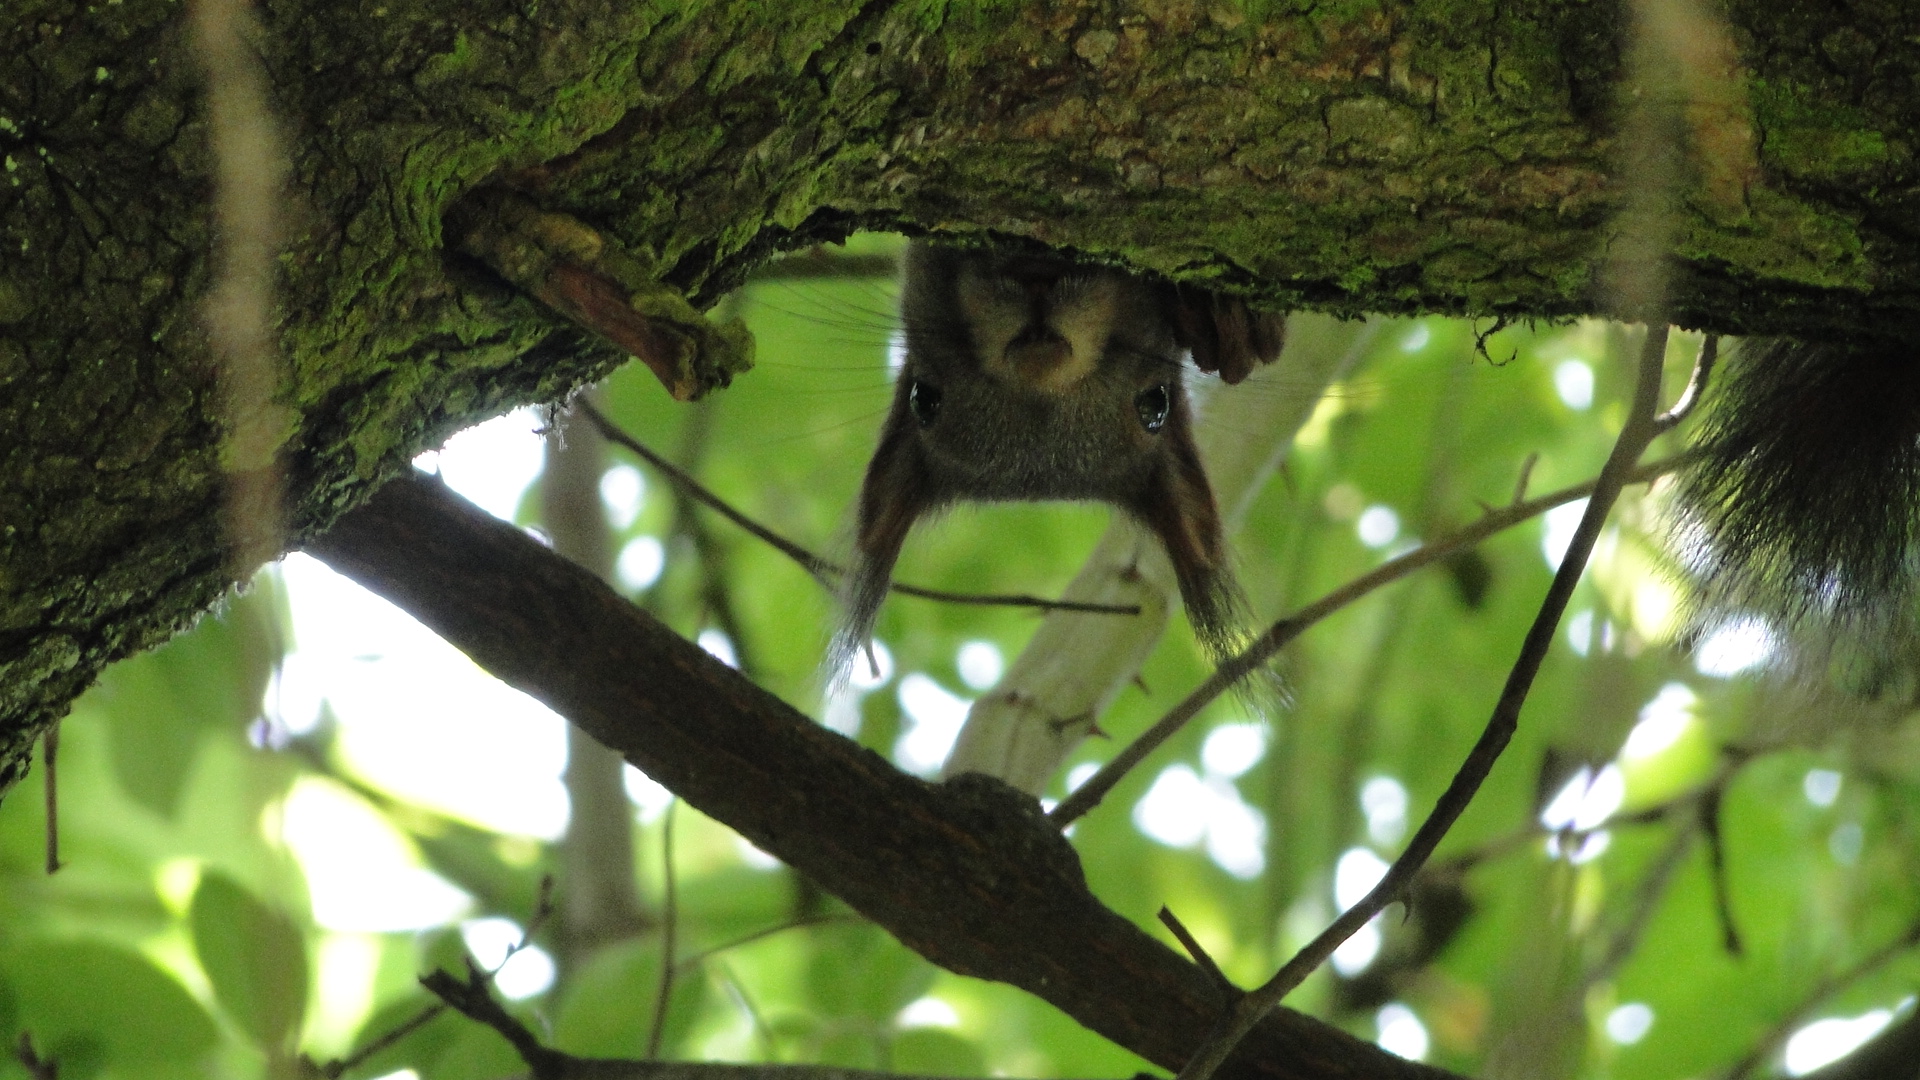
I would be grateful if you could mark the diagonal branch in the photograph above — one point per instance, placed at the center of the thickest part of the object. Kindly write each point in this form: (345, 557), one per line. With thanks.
(1282, 633)
(1642, 427)
(968, 873)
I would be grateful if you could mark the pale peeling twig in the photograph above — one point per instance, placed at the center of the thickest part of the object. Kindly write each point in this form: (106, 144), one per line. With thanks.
(1072, 668)
(1640, 430)
(1696, 386)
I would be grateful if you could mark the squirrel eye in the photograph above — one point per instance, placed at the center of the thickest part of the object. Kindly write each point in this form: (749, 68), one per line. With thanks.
(1153, 405)
(924, 399)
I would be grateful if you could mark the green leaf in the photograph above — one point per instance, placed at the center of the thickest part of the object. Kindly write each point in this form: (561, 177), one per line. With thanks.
(933, 1052)
(256, 959)
(476, 1052)
(607, 1010)
(159, 705)
(93, 1005)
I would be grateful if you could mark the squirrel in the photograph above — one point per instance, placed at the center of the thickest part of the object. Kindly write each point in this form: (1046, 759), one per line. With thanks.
(1800, 497)
(1031, 375)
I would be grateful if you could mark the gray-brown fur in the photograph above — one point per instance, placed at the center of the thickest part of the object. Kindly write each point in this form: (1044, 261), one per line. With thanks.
(1030, 376)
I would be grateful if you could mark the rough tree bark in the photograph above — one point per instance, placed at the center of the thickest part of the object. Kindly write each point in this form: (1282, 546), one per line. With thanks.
(1439, 155)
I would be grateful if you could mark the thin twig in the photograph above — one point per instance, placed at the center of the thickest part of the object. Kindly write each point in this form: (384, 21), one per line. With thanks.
(1696, 386)
(50, 753)
(1653, 886)
(1687, 801)
(823, 570)
(1717, 863)
(338, 1067)
(542, 911)
(701, 957)
(1797, 1016)
(1228, 991)
(473, 1000)
(669, 927)
(761, 1031)
(38, 1067)
(1640, 429)
(1703, 805)
(1282, 633)
(1526, 477)
(716, 597)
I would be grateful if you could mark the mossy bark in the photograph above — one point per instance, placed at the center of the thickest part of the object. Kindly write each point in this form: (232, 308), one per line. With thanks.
(1355, 155)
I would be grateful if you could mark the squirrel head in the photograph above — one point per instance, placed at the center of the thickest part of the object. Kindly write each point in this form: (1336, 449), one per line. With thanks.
(1031, 376)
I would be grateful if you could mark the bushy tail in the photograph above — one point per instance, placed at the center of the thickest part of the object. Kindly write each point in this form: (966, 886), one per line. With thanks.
(1806, 490)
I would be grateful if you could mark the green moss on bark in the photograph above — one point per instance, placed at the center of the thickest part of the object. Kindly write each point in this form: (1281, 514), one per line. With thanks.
(1440, 155)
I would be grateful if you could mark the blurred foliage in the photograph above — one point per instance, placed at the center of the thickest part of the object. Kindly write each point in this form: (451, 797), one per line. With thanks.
(177, 940)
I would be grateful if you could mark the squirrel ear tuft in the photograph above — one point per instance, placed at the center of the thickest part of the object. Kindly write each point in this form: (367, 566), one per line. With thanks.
(897, 490)
(1177, 505)
(1225, 335)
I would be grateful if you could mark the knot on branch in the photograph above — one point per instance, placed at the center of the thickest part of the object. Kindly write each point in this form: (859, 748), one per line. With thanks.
(586, 276)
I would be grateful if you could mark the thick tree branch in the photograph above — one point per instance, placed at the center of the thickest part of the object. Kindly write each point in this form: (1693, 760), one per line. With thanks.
(969, 874)
(1456, 156)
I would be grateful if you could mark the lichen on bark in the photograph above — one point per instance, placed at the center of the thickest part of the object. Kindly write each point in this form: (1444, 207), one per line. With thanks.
(1425, 155)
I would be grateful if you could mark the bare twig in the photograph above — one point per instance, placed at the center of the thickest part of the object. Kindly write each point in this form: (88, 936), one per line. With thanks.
(1641, 428)
(823, 570)
(745, 1000)
(473, 1000)
(1526, 477)
(50, 754)
(542, 911)
(1717, 862)
(691, 962)
(1687, 802)
(1653, 886)
(1228, 991)
(37, 1067)
(669, 931)
(338, 1067)
(716, 595)
(1282, 633)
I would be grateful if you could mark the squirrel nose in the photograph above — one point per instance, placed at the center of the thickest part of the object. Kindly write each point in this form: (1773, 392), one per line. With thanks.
(1037, 352)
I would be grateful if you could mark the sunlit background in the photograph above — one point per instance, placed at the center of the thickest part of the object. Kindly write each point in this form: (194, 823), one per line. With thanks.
(400, 806)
